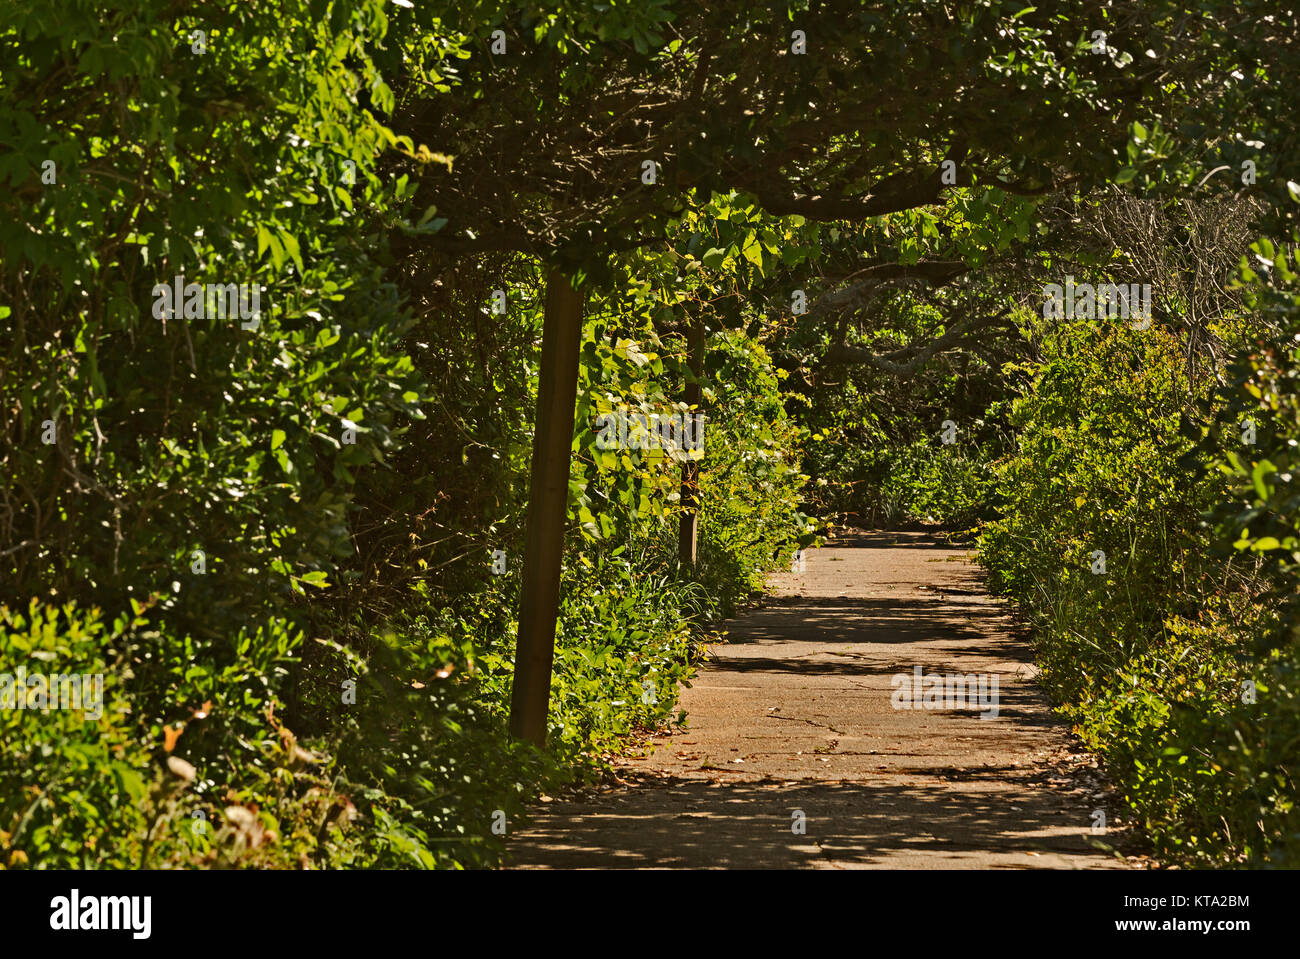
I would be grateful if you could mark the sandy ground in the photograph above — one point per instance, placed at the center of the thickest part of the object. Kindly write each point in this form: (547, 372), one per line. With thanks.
(795, 757)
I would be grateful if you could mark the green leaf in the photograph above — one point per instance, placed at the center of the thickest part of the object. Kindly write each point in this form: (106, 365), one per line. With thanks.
(277, 252)
(291, 246)
(129, 781)
(1262, 469)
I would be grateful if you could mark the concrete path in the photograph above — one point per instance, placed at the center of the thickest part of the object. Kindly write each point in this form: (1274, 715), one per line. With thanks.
(791, 722)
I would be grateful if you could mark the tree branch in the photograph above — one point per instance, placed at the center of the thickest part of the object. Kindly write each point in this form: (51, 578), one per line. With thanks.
(910, 358)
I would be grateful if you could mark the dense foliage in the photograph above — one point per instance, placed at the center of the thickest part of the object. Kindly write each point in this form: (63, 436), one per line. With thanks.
(282, 511)
(274, 538)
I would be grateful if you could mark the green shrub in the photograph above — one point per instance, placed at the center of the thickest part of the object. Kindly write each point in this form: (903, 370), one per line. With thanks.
(186, 764)
(317, 662)
(1149, 656)
(947, 484)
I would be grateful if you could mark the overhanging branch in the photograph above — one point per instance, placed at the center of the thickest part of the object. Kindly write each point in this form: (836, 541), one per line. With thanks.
(910, 358)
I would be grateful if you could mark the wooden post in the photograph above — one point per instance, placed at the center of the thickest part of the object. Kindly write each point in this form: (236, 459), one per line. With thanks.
(688, 531)
(548, 497)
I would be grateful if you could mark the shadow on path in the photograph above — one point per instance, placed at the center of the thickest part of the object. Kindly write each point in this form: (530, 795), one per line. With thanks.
(798, 755)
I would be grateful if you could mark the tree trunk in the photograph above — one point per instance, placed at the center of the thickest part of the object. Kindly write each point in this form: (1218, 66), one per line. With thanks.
(688, 532)
(548, 496)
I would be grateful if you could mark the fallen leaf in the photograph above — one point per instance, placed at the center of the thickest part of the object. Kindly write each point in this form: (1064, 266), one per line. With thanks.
(171, 734)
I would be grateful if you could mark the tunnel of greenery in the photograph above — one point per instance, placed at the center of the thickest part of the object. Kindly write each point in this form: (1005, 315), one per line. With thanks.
(298, 298)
